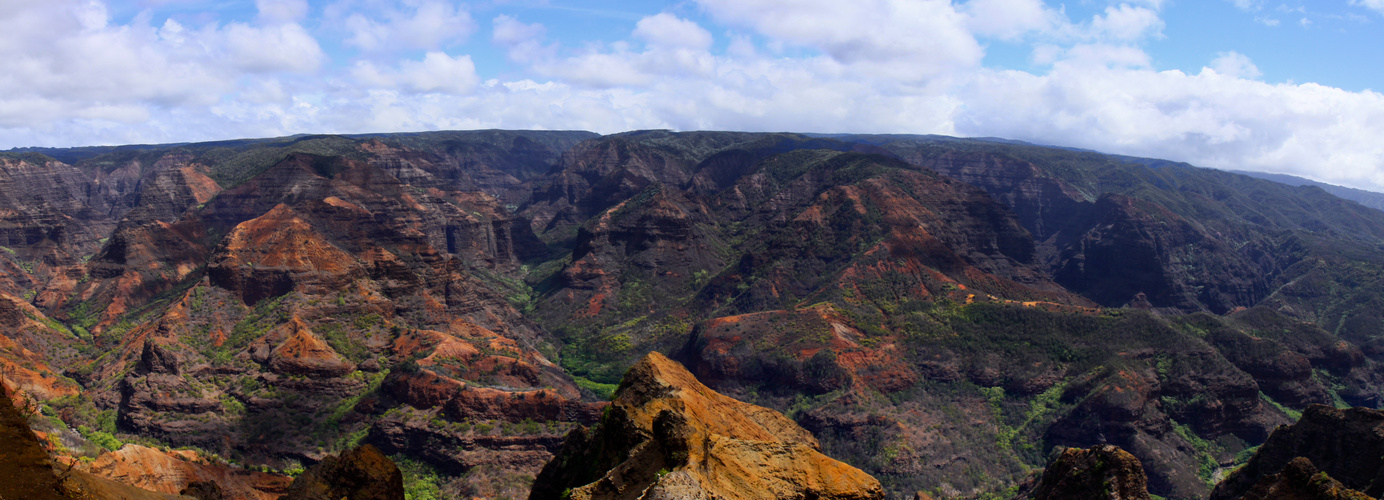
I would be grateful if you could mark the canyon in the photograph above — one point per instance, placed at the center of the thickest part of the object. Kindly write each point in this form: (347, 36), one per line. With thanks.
(942, 315)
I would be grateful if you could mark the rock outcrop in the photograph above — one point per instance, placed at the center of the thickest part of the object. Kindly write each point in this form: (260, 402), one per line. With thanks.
(27, 472)
(185, 473)
(1344, 444)
(1300, 480)
(1101, 472)
(668, 436)
(358, 474)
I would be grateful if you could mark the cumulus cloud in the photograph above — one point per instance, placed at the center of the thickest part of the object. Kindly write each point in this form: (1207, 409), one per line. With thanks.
(1127, 22)
(1209, 119)
(671, 31)
(903, 39)
(1010, 19)
(286, 47)
(522, 42)
(437, 72)
(414, 24)
(1235, 64)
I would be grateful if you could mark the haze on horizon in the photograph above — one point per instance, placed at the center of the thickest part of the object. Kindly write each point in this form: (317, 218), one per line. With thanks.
(1278, 87)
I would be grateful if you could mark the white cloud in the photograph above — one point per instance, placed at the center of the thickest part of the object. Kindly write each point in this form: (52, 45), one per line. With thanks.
(1376, 5)
(1235, 64)
(1009, 19)
(415, 24)
(1127, 23)
(670, 31)
(286, 47)
(65, 60)
(522, 42)
(281, 11)
(436, 73)
(1248, 5)
(901, 39)
(1208, 119)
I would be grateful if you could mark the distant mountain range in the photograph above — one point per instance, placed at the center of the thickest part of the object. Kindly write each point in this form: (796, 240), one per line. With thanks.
(1367, 198)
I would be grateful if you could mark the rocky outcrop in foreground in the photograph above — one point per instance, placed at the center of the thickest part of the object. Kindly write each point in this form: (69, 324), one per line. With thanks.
(178, 471)
(668, 436)
(1300, 480)
(359, 474)
(27, 472)
(1344, 444)
(1102, 472)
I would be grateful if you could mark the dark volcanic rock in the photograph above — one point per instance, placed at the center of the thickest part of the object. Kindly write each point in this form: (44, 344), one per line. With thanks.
(1102, 472)
(1135, 410)
(24, 464)
(456, 452)
(203, 490)
(1300, 480)
(1344, 444)
(359, 474)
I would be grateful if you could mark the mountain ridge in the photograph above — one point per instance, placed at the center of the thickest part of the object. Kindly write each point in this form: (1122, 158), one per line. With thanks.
(939, 312)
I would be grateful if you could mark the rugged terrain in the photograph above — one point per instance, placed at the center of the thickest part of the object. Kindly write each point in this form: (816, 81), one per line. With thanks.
(940, 313)
(668, 436)
(1102, 472)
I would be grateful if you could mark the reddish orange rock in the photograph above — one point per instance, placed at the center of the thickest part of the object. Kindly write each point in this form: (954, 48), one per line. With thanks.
(668, 436)
(172, 472)
(305, 354)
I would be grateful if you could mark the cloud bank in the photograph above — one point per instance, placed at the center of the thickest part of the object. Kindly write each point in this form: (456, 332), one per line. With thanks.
(75, 77)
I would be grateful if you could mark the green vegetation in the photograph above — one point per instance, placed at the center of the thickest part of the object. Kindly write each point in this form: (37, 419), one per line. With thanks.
(1295, 415)
(603, 391)
(1206, 464)
(100, 438)
(421, 481)
(266, 315)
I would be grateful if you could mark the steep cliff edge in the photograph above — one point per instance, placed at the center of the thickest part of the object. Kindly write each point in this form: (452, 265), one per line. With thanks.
(1301, 480)
(1102, 472)
(358, 474)
(1344, 444)
(669, 436)
(27, 472)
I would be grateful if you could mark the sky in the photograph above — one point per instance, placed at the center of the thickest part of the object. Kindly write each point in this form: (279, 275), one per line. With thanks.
(1284, 86)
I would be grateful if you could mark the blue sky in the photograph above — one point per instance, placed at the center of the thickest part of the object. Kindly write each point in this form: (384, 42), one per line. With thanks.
(1279, 86)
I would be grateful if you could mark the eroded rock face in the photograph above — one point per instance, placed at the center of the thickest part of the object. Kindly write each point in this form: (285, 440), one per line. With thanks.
(1102, 472)
(1344, 444)
(359, 474)
(670, 436)
(1300, 480)
(24, 464)
(185, 473)
(27, 472)
(306, 354)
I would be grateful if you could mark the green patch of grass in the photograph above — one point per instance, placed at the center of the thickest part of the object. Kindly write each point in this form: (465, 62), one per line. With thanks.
(1291, 413)
(421, 481)
(604, 391)
(1206, 464)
